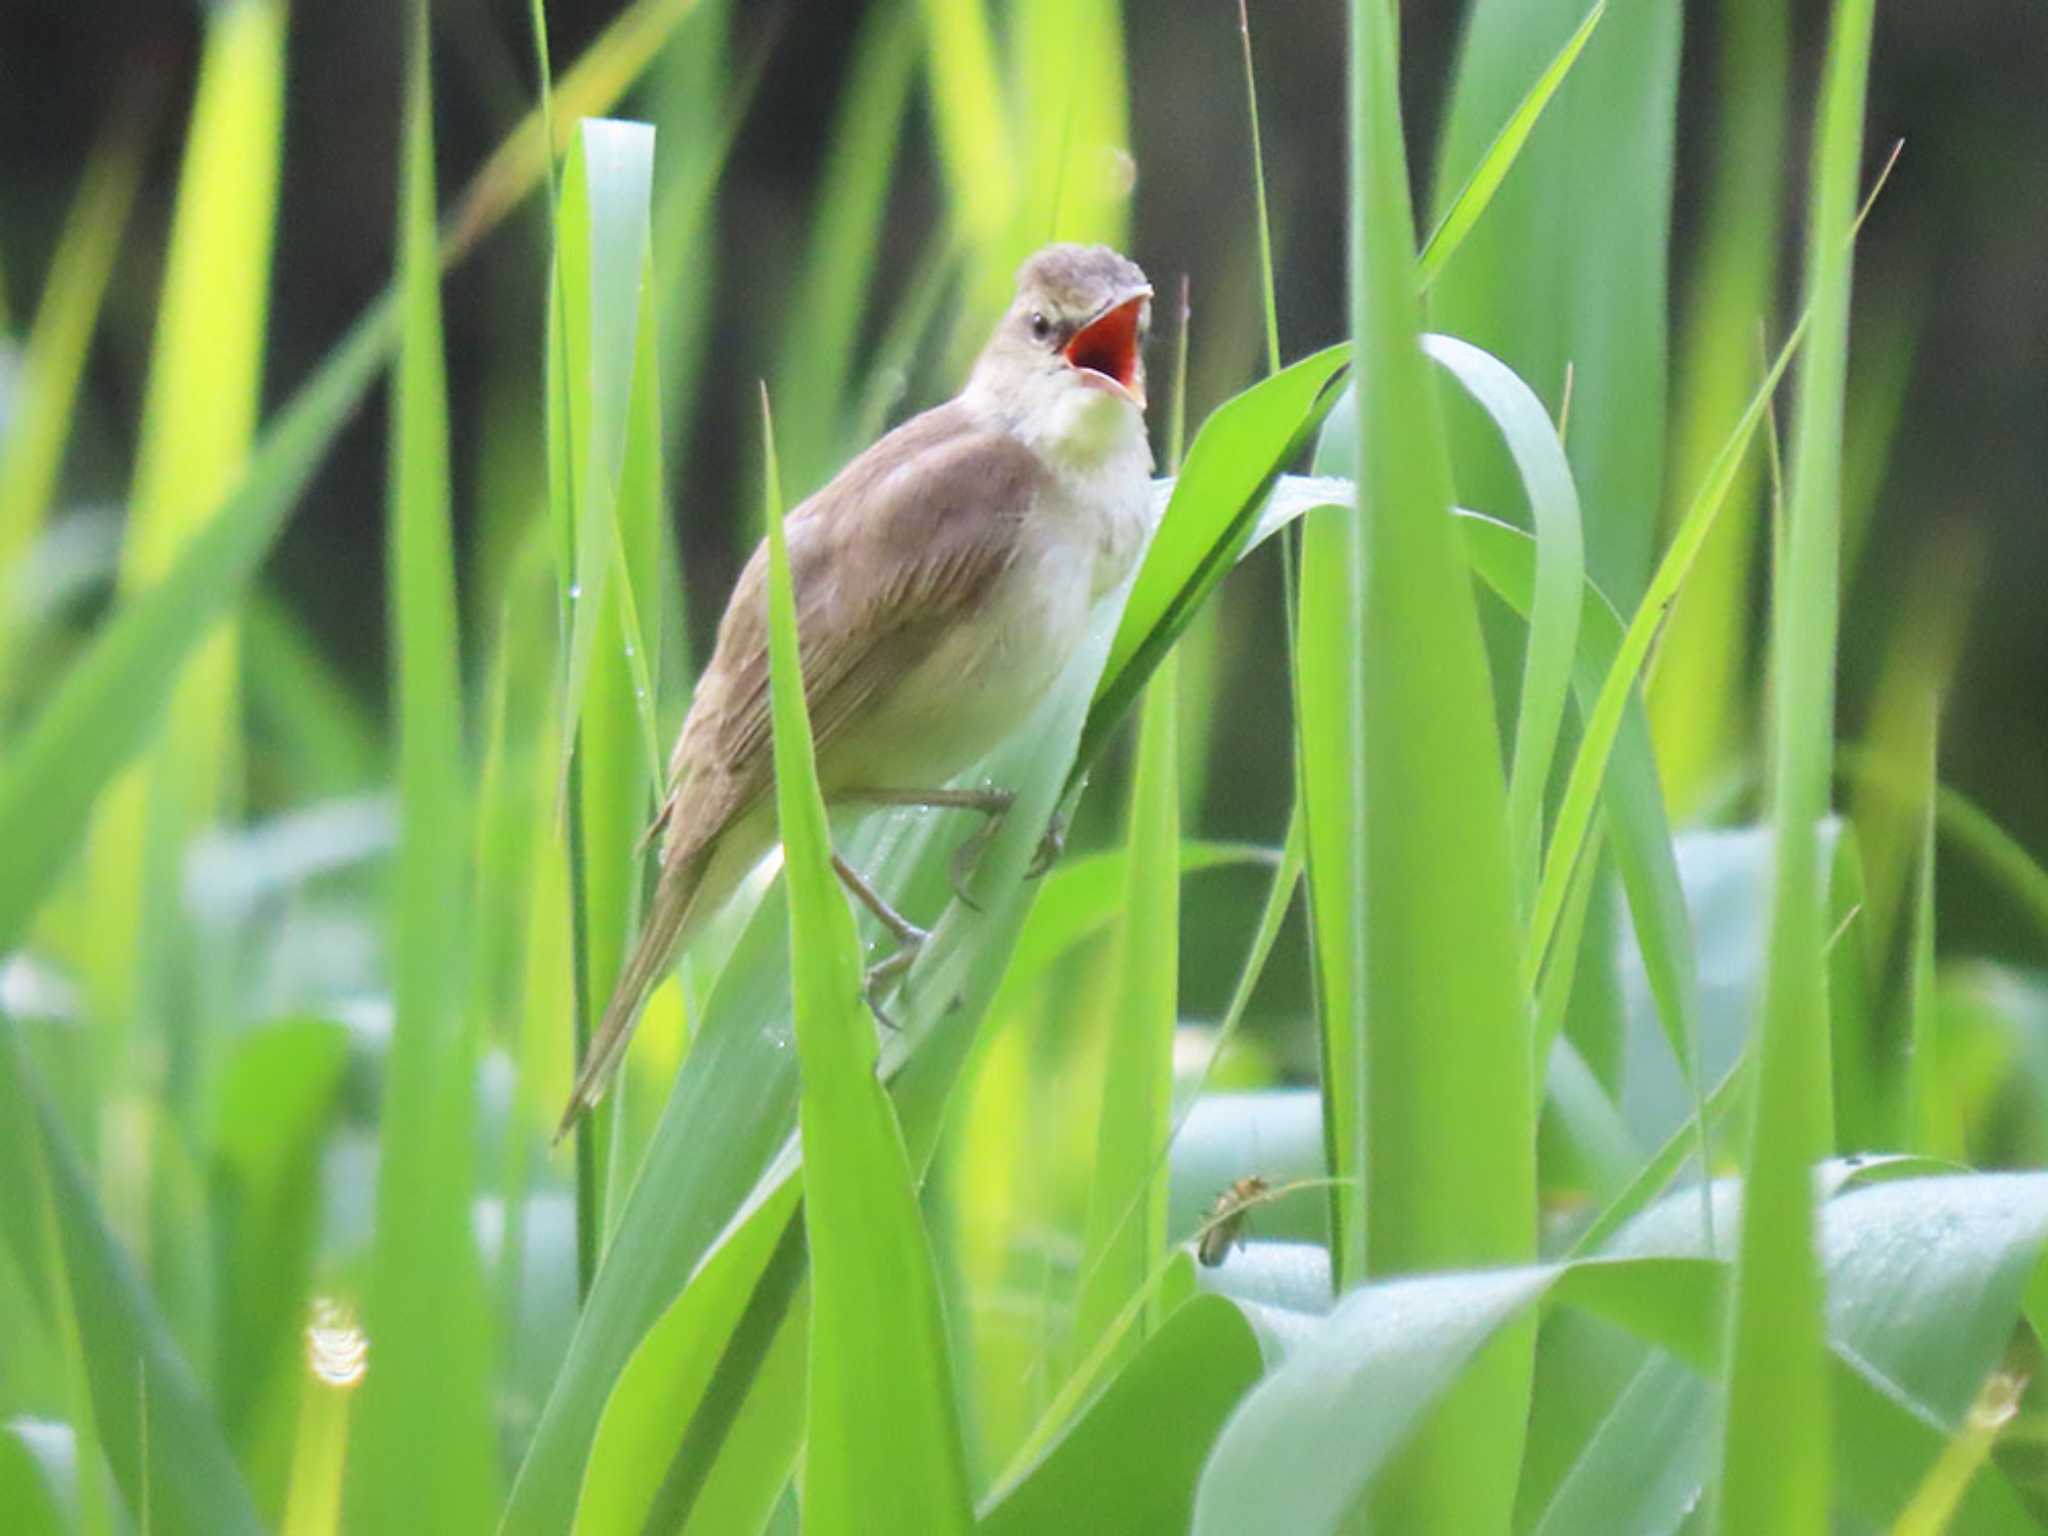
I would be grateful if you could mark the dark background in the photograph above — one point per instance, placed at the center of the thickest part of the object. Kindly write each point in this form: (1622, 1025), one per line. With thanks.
(1951, 268)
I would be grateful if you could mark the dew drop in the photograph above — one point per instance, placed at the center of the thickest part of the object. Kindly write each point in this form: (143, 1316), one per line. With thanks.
(336, 1349)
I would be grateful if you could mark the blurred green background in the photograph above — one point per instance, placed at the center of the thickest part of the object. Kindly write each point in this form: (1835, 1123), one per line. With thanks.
(1949, 402)
(258, 1082)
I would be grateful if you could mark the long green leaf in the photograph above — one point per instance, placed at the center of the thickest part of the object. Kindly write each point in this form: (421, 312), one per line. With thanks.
(815, 371)
(1582, 789)
(726, 1137)
(198, 421)
(1448, 1164)
(645, 1429)
(160, 1437)
(883, 1448)
(1569, 264)
(1318, 1433)
(104, 709)
(1699, 700)
(1553, 612)
(1138, 1079)
(36, 430)
(1210, 517)
(1775, 1448)
(1492, 168)
(1189, 1375)
(424, 1310)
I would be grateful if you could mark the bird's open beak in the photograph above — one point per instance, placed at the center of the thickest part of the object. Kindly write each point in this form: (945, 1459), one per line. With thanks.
(1107, 348)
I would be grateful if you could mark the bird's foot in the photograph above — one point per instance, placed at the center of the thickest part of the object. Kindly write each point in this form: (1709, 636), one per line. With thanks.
(1050, 846)
(967, 857)
(883, 974)
(909, 938)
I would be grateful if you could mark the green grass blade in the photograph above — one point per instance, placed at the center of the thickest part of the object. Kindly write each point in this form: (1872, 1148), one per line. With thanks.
(1699, 702)
(726, 1137)
(1261, 219)
(1929, 1120)
(1114, 1462)
(1662, 1166)
(32, 442)
(205, 375)
(884, 1447)
(1210, 518)
(1067, 59)
(1138, 1078)
(603, 431)
(103, 711)
(600, 77)
(1569, 264)
(277, 1096)
(1582, 789)
(696, 97)
(1966, 824)
(1933, 1507)
(424, 1310)
(1320, 1431)
(178, 1466)
(646, 1424)
(1328, 691)
(814, 375)
(1492, 167)
(601, 256)
(198, 420)
(322, 734)
(1559, 587)
(1279, 898)
(1774, 1470)
(1639, 833)
(1450, 1107)
(967, 104)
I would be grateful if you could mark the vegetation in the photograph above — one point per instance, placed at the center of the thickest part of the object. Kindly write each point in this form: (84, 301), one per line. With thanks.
(1617, 1177)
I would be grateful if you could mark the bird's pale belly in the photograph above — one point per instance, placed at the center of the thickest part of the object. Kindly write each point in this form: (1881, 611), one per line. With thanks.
(982, 679)
(980, 682)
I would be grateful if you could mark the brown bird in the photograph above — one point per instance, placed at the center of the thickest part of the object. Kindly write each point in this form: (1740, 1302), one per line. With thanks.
(942, 580)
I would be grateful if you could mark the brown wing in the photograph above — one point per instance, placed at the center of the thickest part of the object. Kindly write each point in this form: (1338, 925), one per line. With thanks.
(910, 536)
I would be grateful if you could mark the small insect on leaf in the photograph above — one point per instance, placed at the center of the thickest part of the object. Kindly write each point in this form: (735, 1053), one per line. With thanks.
(1224, 1229)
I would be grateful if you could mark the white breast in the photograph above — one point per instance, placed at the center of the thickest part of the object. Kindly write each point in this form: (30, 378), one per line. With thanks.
(1079, 541)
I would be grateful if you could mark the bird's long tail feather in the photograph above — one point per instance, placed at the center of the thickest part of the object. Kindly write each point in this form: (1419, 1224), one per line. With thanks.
(674, 904)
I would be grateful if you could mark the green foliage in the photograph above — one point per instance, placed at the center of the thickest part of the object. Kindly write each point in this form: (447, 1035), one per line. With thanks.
(424, 1304)
(1579, 1174)
(1775, 1444)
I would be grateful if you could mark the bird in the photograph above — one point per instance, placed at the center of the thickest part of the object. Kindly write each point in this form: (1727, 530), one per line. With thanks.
(942, 580)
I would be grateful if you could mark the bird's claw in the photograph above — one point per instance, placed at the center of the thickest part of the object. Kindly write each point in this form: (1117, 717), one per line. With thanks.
(1050, 847)
(883, 973)
(967, 857)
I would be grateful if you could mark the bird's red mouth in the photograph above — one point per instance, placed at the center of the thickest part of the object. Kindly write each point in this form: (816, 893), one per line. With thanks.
(1108, 348)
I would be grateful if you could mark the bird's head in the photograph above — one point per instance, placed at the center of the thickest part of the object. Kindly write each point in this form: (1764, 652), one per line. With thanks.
(1065, 368)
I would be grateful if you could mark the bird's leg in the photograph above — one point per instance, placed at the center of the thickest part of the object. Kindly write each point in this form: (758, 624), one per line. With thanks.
(1050, 846)
(909, 937)
(991, 802)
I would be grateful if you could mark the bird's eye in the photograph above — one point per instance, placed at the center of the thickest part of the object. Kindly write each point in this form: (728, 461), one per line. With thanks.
(1041, 327)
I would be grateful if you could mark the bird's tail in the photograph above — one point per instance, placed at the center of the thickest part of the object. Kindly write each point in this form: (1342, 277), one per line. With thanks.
(661, 936)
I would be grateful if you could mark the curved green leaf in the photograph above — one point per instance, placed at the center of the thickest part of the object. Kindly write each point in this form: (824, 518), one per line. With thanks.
(883, 1448)
(1114, 1470)
(1210, 516)
(1558, 589)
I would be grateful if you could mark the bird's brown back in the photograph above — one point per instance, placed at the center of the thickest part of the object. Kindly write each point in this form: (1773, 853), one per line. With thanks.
(905, 540)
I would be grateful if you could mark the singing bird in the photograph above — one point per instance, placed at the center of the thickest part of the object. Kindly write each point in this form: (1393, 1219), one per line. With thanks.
(942, 580)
